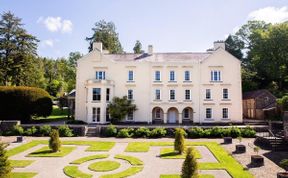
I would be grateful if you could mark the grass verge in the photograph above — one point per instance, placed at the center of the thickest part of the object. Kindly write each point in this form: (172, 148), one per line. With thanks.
(93, 145)
(46, 152)
(169, 153)
(23, 174)
(104, 166)
(89, 158)
(138, 147)
(20, 163)
(128, 172)
(178, 176)
(131, 159)
(74, 172)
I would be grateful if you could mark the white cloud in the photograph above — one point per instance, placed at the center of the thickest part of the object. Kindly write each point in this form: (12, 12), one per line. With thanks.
(55, 24)
(48, 43)
(270, 14)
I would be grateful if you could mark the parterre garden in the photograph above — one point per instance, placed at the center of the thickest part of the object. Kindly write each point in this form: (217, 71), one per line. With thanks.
(107, 160)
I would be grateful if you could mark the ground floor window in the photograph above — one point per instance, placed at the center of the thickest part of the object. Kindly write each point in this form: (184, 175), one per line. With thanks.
(158, 113)
(225, 113)
(96, 114)
(130, 116)
(186, 113)
(208, 113)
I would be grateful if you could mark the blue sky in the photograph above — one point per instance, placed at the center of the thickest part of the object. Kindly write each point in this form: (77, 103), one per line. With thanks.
(168, 25)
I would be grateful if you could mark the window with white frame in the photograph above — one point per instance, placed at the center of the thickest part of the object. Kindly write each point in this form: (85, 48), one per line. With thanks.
(130, 75)
(130, 94)
(225, 93)
(157, 75)
(96, 114)
(208, 94)
(96, 95)
(215, 75)
(225, 113)
(187, 94)
(100, 75)
(208, 113)
(172, 94)
(186, 113)
(172, 75)
(157, 94)
(158, 113)
(130, 116)
(187, 75)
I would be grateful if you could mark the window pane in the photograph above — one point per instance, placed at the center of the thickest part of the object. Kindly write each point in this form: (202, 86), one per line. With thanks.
(130, 94)
(208, 113)
(96, 94)
(130, 75)
(172, 94)
(187, 75)
(172, 75)
(107, 94)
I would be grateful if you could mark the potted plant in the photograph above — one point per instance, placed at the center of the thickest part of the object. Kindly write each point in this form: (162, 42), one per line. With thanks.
(257, 160)
(284, 165)
(240, 148)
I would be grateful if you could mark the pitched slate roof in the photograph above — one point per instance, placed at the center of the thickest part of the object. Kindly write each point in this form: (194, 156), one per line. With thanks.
(255, 94)
(159, 56)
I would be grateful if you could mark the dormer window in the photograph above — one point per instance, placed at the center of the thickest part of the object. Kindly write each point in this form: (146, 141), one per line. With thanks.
(100, 75)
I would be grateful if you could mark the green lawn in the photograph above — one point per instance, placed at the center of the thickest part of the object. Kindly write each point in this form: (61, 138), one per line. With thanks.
(131, 159)
(104, 166)
(169, 153)
(58, 113)
(178, 176)
(23, 174)
(20, 163)
(24, 147)
(46, 152)
(128, 172)
(74, 172)
(89, 158)
(94, 145)
(138, 147)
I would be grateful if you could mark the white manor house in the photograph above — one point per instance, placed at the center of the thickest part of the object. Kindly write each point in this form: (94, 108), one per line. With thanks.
(180, 87)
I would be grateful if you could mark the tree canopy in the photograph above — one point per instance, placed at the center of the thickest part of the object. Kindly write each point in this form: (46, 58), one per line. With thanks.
(138, 48)
(105, 32)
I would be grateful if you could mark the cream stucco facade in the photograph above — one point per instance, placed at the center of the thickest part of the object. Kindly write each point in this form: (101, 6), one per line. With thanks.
(166, 87)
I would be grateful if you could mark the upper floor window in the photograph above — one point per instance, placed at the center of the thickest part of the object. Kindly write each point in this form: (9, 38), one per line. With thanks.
(208, 113)
(225, 113)
(100, 75)
(96, 114)
(130, 75)
(130, 116)
(172, 75)
(157, 75)
(187, 75)
(208, 93)
(96, 94)
(157, 94)
(130, 94)
(215, 75)
(172, 94)
(225, 93)
(187, 94)
(108, 94)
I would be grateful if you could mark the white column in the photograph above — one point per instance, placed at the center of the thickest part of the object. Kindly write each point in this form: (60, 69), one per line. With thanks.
(165, 118)
(180, 118)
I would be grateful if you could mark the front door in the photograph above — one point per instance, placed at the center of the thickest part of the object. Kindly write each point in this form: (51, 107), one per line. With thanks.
(172, 117)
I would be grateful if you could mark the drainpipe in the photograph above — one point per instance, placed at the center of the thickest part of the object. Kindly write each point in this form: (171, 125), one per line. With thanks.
(199, 64)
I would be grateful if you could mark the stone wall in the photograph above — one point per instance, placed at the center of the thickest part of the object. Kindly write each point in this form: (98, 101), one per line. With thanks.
(8, 124)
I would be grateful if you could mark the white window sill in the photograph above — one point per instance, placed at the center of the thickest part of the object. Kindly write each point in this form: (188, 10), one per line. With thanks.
(187, 81)
(226, 99)
(216, 81)
(157, 100)
(157, 81)
(130, 81)
(172, 100)
(188, 100)
(172, 81)
(208, 99)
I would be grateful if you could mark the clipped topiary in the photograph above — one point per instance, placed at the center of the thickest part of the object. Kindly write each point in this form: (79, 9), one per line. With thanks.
(110, 131)
(190, 166)
(179, 140)
(5, 167)
(54, 142)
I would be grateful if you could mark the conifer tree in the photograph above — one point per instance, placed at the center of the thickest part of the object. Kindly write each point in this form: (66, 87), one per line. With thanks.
(179, 141)
(54, 142)
(5, 167)
(190, 166)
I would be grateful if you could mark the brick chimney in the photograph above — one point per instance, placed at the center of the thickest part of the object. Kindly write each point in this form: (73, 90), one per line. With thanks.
(150, 49)
(219, 44)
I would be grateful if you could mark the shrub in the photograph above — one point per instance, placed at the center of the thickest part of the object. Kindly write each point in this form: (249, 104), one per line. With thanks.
(54, 142)
(45, 130)
(179, 144)
(158, 133)
(110, 131)
(30, 101)
(142, 132)
(216, 132)
(196, 132)
(248, 132)
(125, 133)
(18, 130)
(284, 164)
(190, 166)
(31, 131)
(65, 131)
(235, 132)
(5, 167)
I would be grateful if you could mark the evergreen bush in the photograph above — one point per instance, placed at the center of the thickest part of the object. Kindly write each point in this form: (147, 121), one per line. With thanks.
(142, 132)
(45, 130)
(5, 167)
(31, 131)
(190, 166)
(110, 131)
(65, 131)
(125, 133)
(179, 144)
(158, 133)
(54, 142)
